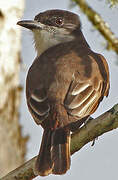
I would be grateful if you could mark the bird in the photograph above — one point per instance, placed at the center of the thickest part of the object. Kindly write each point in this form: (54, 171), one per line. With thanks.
(64, 86)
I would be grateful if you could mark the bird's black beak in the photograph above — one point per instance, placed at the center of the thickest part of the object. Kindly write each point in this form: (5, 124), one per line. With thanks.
(30, 24)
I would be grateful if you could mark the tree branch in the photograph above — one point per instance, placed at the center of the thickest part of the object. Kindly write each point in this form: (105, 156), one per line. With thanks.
(92, 129)
(99, 24)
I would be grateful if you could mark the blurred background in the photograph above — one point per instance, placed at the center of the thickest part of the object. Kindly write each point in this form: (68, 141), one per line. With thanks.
(92, 163)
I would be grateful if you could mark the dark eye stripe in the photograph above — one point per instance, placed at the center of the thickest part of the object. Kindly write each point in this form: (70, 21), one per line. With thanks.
(54, 21)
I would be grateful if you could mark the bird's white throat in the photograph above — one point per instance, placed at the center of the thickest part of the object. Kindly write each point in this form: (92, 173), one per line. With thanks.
(45, 39)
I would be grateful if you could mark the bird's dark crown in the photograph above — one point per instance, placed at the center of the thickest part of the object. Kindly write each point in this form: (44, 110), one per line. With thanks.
(58, 18)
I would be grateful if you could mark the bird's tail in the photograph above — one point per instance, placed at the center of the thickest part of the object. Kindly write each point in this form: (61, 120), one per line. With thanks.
(60, 151)
(43, 164)
(54, 155)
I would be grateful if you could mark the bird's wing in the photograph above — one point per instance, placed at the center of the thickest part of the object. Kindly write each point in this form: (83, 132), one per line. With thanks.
(84, 95)
(83, 99)
(38, 105)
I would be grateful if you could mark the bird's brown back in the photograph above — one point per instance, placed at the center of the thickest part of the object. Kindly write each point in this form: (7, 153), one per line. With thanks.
(70, 78)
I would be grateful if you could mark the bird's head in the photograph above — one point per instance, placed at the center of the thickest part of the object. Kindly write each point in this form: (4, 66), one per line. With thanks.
(52, 27)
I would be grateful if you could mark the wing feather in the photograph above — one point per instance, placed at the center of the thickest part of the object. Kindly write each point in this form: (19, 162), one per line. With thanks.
(83, 98)
(79, 88)
(79, 98)
(38, 105)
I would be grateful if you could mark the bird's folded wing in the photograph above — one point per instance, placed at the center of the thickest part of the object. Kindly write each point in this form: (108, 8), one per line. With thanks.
(84, 97)
(38, 105)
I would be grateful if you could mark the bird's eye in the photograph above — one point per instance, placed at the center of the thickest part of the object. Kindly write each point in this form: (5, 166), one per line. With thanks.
(59, 21)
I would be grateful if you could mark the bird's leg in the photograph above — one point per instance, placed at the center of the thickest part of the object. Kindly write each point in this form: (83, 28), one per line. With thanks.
(93, 141)
(74, 126)
(88, 120)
